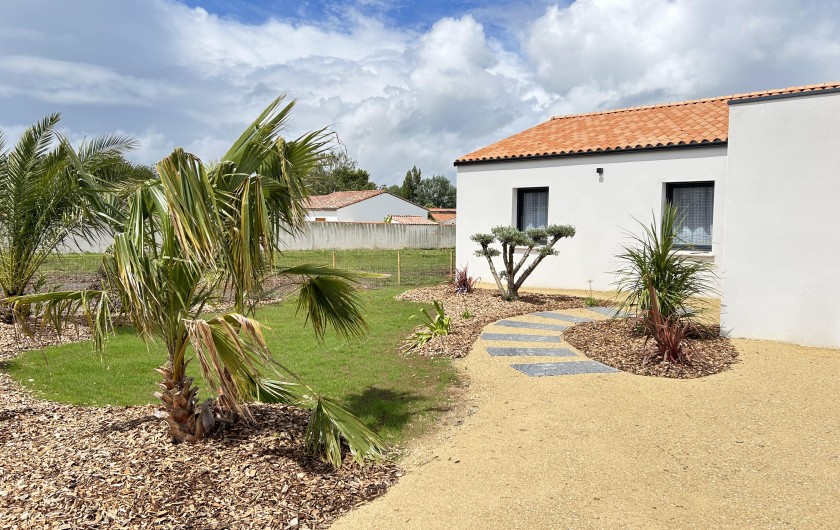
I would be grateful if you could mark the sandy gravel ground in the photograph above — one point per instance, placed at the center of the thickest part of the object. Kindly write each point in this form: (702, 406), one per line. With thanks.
(757, 446)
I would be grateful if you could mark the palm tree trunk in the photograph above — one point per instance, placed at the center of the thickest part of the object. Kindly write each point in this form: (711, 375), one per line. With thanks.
(188, 421)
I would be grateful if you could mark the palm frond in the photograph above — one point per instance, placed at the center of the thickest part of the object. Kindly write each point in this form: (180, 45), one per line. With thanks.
(328, 298)
(59, 308)
(330, 422)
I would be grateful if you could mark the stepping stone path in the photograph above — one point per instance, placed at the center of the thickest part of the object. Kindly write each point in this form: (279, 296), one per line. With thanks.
(566, 367)
(530, 325)
(561, 316)
(531, 352)
(611, 312)
(520, 337)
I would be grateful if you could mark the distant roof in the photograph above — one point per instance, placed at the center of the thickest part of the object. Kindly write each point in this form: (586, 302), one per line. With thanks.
(442, 214)
(340, 199)
(687, 123)
(411, 220)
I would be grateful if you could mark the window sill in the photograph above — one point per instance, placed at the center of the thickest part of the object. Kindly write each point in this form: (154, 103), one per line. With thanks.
(696, 253)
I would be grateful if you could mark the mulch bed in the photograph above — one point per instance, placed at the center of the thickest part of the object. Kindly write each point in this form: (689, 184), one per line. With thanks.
(486, 306)
(618, 343)
(67, 467)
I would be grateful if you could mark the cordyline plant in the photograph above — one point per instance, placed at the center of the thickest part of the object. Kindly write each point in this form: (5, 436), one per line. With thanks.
(537, 241)
(193, 230)
(654, 257)
(49, 191)
(657, 282)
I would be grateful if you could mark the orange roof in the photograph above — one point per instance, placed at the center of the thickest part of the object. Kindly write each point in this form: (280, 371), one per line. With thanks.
(695, 122)
(340, 199)
(442, 214)
(411, 220)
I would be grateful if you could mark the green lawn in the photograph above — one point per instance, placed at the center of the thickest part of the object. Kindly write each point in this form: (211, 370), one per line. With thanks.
(396, 394)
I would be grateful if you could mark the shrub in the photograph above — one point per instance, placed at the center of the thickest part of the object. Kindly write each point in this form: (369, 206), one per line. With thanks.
(434, 326)
(463, 282)
(675, 277)
(541, 239)
(658, 282)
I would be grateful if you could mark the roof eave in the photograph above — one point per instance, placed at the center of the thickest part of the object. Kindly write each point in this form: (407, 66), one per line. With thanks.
(712, 143)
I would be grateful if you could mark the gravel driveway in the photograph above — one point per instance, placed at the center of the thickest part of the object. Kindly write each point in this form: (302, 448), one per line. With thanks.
(755, 446)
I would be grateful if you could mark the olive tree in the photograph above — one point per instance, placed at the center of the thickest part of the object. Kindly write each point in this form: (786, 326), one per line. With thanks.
(538, 242)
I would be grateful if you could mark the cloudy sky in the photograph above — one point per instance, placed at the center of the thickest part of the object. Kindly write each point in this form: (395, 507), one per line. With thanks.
(402, 83)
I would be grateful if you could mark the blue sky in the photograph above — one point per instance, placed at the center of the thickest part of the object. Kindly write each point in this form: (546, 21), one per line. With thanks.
(401, 83)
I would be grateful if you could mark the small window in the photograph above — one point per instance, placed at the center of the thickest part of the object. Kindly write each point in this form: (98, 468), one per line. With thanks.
(320, 219)
(695, 206)
(532, 208)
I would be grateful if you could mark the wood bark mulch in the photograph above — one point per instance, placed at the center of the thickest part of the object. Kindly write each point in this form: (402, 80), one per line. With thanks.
(67, 467)
(619, 343)
(485, 306)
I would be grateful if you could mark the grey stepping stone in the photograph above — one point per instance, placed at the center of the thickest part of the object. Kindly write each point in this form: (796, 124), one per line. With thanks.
(612, 312)
(564, 368)
(530, 325)
(561, 316)
(531, 352)
(519, 338)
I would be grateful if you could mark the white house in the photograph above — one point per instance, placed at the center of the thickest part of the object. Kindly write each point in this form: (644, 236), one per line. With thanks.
(369, 206)
(757, 176)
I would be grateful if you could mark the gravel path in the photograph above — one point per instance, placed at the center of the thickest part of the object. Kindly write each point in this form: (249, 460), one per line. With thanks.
(756, 446)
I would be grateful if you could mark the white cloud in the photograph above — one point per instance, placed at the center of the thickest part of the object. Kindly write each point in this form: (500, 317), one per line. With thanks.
(173, 75)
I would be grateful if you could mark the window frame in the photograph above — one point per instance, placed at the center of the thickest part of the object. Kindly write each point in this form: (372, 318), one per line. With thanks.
(520, 198)
(669, 199)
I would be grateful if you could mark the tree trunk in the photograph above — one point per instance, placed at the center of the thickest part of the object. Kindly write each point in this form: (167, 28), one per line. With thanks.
(188, 421)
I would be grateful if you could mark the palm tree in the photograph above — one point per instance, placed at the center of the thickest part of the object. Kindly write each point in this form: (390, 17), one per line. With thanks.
(47, 194)
(194, 230)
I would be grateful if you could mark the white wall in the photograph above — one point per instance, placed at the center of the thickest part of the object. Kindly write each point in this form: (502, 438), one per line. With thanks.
(335, 236)
(376, 208)
(326, 215)
(634, 185)
(782, 263)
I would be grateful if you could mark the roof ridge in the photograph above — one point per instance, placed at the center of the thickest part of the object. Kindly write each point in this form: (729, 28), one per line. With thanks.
(742, 95)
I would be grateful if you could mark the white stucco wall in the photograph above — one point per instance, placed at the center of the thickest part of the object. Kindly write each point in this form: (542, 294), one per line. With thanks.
(372, 210)
(634, 185)
(782, 261)
(375, 209)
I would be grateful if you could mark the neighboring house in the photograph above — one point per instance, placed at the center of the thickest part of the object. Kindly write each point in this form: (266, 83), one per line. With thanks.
(369, 206)
(755, 174)
(444, 216)
(411, 220)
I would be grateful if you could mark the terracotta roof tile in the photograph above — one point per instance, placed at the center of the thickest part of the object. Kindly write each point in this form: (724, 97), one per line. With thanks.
(411, 220)
(340, 199)
(695, 122)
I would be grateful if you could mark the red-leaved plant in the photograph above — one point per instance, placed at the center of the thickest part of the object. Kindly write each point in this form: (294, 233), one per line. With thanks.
(669, 333)
(463, 282)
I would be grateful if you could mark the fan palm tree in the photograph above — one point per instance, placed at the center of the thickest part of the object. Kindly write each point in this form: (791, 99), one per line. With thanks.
(194, 230)
(48, 192)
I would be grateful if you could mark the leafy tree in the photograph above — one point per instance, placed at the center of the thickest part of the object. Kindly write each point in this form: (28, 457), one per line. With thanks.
(436, 192)
(338, 172)
(411, 183)
(192, 230)
(394, 189)
(48, 192)
(541, 239)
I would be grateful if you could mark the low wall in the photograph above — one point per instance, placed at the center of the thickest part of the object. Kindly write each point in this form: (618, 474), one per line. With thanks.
(345, 236)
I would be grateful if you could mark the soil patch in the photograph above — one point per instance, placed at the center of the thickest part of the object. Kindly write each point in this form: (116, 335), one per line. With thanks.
(618, 343)
(470, 312)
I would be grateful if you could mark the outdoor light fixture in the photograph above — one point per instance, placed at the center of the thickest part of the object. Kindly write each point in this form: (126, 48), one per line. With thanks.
(600, 172)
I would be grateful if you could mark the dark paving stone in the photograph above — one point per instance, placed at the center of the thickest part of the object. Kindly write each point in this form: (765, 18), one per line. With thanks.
(612, 312)
(561, 316)
(563, 368)
(530, 325)
(519, 338)
(531, 352)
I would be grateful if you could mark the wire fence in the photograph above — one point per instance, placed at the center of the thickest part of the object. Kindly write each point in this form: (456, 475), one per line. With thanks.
(408, 267)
